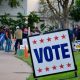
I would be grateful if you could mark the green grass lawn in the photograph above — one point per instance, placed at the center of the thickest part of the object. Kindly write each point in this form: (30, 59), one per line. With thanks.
(62, 76)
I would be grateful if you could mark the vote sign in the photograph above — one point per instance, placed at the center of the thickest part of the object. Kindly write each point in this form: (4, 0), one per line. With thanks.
(51, 53)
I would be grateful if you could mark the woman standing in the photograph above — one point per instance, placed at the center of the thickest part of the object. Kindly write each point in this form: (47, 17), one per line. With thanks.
(8, 40)
(2, 39)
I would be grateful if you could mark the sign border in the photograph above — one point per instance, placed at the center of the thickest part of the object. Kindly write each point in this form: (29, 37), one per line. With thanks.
(51, 73)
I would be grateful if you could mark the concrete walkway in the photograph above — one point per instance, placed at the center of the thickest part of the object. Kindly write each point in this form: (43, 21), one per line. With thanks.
(12, 68)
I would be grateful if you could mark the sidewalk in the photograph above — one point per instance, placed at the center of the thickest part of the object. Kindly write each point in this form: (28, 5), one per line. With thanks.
(12, 68)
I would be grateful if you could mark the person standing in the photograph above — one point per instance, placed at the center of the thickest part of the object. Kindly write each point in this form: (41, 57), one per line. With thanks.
(78, 33)
(25, 33)
(18, 36)
(2, 39)
(8, 40)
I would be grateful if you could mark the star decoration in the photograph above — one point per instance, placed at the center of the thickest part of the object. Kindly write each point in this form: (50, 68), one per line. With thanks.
(49, 39)
(68, 65)
(61, 66)
(41, 40)
(56, 37)
(63, 36)
(39, 70)
(47, 69)
(34, 42)
(54, 67)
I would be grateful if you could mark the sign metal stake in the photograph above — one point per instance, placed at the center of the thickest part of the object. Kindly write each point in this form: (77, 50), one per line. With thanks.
(76, 75)
(36, 79)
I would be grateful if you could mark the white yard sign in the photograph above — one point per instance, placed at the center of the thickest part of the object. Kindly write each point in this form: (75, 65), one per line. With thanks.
(76, 44)
(51, 53)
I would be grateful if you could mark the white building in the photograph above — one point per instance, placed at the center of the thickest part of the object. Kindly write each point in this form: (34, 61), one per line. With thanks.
(26, 7)
(32, 5)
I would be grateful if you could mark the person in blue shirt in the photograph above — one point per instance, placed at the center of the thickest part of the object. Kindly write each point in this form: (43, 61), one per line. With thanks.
(8, 40)
(2, 39)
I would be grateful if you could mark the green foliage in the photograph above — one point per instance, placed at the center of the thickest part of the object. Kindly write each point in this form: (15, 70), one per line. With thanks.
(33, 18)
(5, 19)
(51, 28)
(1, 1)
(12, 3)
(11, 23)
(42, 27)
(77, 3)
(21, 20)
(75, 13)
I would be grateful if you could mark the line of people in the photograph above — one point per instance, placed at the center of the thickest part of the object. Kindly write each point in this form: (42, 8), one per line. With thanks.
(5, 35)
(20, 34)
(23, 34)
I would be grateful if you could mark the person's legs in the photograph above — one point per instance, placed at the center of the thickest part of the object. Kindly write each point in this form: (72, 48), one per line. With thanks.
(6, 47)
(20, 41)
(2, 44)
(16, 44)
(9, 44)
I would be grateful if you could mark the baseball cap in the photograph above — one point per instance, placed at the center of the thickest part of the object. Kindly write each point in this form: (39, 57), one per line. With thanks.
(17, 27)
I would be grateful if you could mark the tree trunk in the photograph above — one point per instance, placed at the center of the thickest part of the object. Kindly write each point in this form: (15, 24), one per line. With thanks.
(64, 23)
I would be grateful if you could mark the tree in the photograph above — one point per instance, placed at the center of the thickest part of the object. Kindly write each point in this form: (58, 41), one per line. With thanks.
(75, 14)
(77, 3)
(21, 20)
(7, 20)
(75, 11)
(33, 18)
(4, 19)
(12, 23)
(60, 10)
(48, 16)
(12, 3)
